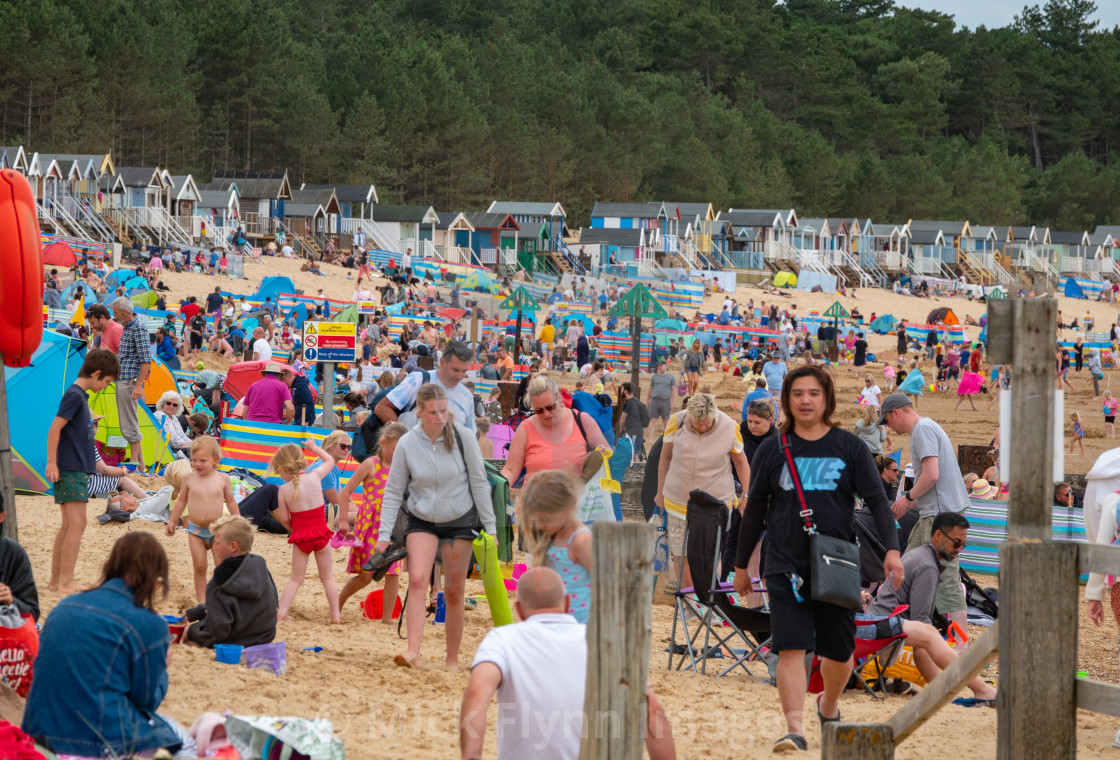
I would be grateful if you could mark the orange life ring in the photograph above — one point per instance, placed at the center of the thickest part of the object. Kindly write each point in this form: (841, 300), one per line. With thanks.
(21, 271)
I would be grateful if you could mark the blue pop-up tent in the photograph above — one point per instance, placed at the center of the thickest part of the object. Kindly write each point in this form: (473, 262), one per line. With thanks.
(883, 324)
(272, 287)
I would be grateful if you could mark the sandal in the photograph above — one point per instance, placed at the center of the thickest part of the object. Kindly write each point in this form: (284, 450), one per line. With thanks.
(790, 743)
(823, 719)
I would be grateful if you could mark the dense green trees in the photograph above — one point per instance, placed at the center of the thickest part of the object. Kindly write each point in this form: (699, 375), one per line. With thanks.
(835, 107)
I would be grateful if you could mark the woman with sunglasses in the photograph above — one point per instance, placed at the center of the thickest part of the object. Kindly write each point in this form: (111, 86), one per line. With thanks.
(337, 444)
(169, 409)
(551, 439)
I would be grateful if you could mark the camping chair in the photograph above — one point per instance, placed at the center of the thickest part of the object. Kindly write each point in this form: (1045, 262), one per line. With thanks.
(710, 610)
(883, 652)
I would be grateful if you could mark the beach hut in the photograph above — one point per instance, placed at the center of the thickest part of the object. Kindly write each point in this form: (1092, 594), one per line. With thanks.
(628, 216)
(54, 367)
(263, 196)
(531, 217)
(14, 157)
(405, 226)
(493, 233)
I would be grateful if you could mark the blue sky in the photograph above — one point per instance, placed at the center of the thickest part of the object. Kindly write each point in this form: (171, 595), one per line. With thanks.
(997, 13)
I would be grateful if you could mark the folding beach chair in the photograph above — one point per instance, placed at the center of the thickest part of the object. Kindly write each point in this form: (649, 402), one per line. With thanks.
(705, 608)
(882, 651)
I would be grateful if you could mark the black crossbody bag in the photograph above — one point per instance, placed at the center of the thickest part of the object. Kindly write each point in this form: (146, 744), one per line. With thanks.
(833, 562)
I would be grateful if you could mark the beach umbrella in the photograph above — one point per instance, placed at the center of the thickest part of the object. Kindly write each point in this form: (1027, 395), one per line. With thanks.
(60, 255)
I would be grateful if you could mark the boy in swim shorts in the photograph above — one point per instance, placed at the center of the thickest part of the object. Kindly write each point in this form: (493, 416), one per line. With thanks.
(202, 493)
(71, 460)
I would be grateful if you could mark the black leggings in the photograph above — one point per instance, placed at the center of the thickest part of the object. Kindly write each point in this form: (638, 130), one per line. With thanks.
(258, 507)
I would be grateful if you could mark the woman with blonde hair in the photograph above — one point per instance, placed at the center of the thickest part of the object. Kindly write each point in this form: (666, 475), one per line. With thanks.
(554, 437)
(438, 479)
(869, 430)
(699, 449)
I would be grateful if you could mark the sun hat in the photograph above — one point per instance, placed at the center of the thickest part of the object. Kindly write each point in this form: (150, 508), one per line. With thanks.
(890, 403)
(273, 368)
(982, 489)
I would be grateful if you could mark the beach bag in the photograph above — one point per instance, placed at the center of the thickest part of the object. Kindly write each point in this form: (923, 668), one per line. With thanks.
(282, 738)
(595, 502)
(833, 562)
(19, 644)
(664, 583)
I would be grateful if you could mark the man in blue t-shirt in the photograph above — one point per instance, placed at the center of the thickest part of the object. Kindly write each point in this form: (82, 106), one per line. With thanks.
(758, 394)
(774, 371)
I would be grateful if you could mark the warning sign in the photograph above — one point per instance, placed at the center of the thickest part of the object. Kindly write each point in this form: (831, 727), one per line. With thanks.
(329, 341)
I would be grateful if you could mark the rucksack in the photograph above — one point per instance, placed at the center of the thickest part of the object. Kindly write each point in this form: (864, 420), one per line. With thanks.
(643, 413)
(371, 428)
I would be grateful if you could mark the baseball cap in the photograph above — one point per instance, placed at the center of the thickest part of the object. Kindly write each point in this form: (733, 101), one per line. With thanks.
(890, 403)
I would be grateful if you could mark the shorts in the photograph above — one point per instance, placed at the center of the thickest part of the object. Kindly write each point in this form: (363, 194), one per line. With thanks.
(868, 628)
(126, 411)
(675, 525)
(660, 408)
(950, 594)
(1110, 419)
(196, 341)
(71, 486)
(813, 626)
(466, 527)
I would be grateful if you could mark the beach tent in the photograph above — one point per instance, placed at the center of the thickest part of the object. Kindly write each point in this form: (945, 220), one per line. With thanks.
(33, 395)
(942, 315)
(160, 380)
(883, 324)
(299, 311)
(349, 314)
(582, 320)
(670, 324)
(156, 451)
(118, 277)
(59, 255)
(136, 283)
(144, 299)
(90, 293)
(785, 280)
(240, 376)
(480, 282)
(272, 287)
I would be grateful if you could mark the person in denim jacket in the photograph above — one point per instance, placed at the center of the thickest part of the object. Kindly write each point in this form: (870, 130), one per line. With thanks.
(101, 672)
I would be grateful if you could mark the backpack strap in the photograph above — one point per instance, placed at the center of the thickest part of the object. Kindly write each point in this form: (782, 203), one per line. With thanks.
(579, 423)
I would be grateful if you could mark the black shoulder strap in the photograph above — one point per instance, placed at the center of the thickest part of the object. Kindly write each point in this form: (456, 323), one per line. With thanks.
(579, 423)
(466, 467)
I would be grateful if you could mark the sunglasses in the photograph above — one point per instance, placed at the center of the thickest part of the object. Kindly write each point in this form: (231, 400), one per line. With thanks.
(956, 544)
(344, 446)
(171, 404)
(548, 408)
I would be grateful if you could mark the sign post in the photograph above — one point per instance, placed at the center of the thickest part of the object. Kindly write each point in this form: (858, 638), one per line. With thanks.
(520, 301)
(637, 303)
(329, 342)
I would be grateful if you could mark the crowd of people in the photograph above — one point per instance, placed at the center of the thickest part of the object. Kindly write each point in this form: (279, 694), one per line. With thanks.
(421, 493)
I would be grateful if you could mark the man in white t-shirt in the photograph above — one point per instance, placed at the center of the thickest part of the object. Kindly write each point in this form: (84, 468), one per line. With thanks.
(452, 369)
(287, 251)
(262, 351)
(538, 669)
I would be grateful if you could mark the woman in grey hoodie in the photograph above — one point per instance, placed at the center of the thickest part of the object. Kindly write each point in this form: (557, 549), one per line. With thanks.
(438, 485)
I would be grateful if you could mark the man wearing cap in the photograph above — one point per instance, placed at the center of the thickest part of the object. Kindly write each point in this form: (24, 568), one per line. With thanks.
(270, 398)
(938, 487)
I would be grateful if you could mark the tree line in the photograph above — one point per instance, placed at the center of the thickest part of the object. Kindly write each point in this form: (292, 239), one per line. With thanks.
(834, 107)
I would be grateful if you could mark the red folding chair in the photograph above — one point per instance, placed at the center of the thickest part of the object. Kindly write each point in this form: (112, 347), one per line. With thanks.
(882, 651)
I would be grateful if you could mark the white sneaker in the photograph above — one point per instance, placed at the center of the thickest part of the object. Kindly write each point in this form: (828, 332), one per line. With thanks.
(1116, 740)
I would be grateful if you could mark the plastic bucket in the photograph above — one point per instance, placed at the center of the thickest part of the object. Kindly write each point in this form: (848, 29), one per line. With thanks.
(273, 657)
(373, 606)
(175, 626)
(230, 654)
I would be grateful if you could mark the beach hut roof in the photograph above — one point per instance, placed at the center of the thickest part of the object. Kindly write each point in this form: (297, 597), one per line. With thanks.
(629, 210)
(627, 238)
(527, 208)
(483, 220)
(138, 176)
(406, 214)
(324, 197)
(347, 193)
(1069, 237)
(254, 184)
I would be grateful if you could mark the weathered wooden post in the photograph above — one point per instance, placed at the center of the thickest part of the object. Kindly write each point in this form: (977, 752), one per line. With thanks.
(1037, 576)
(10, 527)
(618, 641)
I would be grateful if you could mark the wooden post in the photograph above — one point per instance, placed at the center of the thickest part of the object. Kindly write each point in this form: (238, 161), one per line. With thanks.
(618, 641)
(517, 340)
(330, 422)
(1033, 338)
(1038, 576)
(636, 357)
(10, 527)
(857, 741)
(507, 394)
